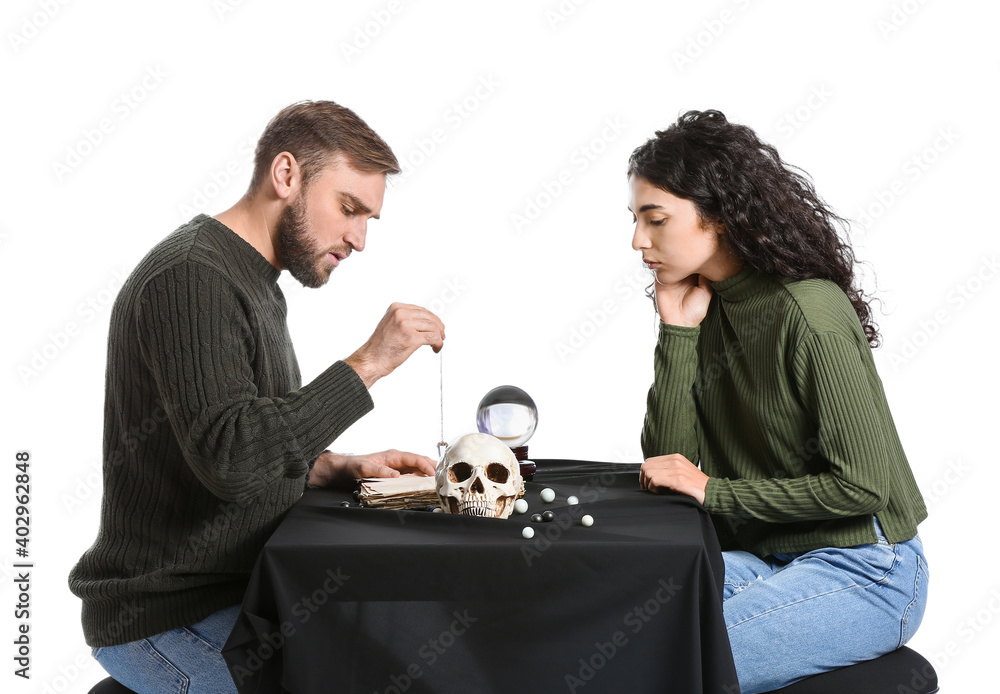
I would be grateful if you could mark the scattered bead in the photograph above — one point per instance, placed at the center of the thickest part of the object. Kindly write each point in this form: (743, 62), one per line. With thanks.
(356, 494)
(345, 504)
(520, 506)
(438, 509)
(527, 533)
(548, 495)
(572, 501)
(548, 516)
(536, 518)
(587, 521)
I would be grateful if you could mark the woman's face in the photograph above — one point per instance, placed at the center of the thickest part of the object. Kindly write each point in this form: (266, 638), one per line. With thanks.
(671, 238)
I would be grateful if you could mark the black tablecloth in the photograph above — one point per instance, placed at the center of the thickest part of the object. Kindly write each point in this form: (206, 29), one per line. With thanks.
(365, 600)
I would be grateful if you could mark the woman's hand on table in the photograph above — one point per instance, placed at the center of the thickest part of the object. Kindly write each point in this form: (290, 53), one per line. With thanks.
(333, 470)
(674, 472)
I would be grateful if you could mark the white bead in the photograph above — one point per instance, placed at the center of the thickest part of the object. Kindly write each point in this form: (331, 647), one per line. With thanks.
(528, 533)
(587, 521)
(520, 506)
(572, 501)
(548, 495)
(438, 509)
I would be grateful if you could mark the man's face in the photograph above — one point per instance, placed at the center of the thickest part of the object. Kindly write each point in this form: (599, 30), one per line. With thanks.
(327, 220)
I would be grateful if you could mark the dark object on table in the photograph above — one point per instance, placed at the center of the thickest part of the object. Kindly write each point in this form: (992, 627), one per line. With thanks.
(903, 670)
(528, 468)
(536, 518)
(548, 516)
(110, 686)
(431, 602)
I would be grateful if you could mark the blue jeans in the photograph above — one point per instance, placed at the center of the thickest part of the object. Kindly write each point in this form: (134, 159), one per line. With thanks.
(794, 615)
(187, 660)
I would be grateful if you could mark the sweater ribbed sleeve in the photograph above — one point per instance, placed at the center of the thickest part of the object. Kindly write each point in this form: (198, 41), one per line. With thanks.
(671, 422)
(196, 339)
(832, 384)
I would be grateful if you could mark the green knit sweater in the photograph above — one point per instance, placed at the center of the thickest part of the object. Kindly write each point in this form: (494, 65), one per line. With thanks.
(208, 434)
(776, 395)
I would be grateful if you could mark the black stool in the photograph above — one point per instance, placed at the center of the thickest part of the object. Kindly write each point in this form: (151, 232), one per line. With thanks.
(110, 686)
(902, 670)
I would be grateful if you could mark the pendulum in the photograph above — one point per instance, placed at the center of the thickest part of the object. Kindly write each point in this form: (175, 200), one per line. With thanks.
(442, 444)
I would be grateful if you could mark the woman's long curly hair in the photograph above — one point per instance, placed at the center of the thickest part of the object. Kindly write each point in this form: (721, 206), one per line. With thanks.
(771, 214)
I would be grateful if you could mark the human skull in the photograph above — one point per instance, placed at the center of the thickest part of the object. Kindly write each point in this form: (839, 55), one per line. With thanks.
(478, 475)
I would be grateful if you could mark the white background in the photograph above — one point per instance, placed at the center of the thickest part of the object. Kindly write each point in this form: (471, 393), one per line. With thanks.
(890, 106)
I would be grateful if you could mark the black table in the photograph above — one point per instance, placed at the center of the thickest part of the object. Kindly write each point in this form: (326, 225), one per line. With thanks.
(367, 600)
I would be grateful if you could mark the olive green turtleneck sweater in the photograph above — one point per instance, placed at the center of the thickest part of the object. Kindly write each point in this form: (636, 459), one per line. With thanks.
(776, 395)
(208, 434)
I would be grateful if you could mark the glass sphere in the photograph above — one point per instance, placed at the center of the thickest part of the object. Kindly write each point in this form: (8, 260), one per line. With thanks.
(508, 413)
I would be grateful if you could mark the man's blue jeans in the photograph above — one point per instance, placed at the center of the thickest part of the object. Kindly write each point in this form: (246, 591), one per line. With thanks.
(794, 615)
(187, 660)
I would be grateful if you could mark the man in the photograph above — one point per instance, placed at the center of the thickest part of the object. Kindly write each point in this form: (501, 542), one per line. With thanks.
(209, 434)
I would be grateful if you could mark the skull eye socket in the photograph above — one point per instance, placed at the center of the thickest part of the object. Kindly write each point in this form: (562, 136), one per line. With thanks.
(459, 472)
(497, 473)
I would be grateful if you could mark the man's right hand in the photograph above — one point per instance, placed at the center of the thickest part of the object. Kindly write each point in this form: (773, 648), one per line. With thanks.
(403, 329)
(685, 302)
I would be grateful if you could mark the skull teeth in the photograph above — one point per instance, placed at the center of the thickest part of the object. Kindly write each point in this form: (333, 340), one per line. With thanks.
(483, 509)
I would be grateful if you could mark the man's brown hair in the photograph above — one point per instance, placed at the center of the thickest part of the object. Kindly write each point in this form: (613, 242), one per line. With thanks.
(316, 131)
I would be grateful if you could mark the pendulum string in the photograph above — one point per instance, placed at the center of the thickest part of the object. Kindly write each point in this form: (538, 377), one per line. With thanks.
(442, 444)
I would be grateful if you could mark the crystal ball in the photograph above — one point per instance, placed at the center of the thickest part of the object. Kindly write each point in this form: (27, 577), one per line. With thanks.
(509, 414)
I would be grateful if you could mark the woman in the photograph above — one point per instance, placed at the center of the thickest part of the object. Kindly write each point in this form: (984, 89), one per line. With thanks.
(764, 376)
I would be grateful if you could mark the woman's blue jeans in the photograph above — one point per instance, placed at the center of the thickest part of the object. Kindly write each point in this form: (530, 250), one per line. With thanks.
(794, 615)
(187, 660)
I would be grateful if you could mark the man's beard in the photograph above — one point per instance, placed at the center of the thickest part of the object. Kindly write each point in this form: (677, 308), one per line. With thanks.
(297, 246)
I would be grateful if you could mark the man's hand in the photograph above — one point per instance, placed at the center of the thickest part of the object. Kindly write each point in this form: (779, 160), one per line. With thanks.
(332, 470)
(684, 303)
(403, 329)
(674, 472)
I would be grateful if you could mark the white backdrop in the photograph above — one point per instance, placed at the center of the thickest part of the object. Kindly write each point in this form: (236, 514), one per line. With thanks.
(514, 121)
